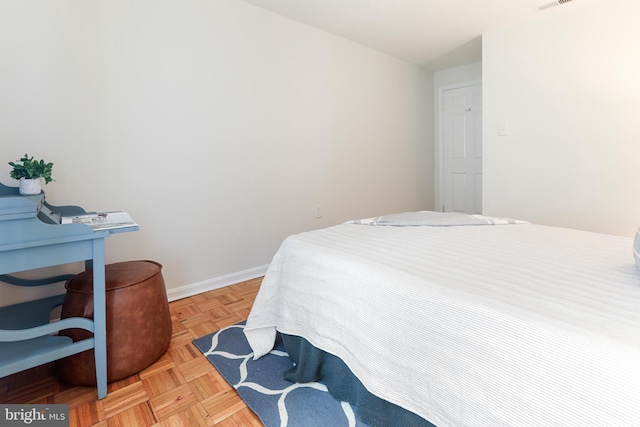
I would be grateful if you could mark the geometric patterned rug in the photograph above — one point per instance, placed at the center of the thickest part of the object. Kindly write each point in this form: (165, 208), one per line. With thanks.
(260, 383)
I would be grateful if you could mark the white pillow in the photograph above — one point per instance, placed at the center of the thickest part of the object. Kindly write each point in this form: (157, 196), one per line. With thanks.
(636, 248)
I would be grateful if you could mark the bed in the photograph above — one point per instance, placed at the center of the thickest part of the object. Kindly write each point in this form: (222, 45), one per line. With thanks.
(465, 320)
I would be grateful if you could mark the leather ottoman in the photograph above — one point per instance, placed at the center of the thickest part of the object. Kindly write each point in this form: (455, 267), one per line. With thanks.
(138, 321)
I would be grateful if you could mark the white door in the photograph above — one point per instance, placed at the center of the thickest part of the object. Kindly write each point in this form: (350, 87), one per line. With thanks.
(462, 149)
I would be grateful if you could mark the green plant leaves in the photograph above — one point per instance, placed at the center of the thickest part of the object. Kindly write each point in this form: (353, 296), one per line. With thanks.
(31, 169)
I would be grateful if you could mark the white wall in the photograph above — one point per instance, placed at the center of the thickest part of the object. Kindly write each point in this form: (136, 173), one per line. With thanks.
(217, 125)
(568, 87)
(446, 79)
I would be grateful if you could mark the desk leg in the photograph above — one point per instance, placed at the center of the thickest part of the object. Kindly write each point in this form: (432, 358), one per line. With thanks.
(99, 317)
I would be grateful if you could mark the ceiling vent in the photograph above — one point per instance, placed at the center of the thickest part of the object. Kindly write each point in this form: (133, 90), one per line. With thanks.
(552, 4)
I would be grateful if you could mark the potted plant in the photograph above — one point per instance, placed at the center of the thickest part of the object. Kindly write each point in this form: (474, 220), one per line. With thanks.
(30, 172)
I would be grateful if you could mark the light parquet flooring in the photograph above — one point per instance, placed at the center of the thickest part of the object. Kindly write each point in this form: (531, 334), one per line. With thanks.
(181, 389)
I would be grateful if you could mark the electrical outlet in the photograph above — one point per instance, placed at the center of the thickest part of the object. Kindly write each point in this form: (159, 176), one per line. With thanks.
(318, 211)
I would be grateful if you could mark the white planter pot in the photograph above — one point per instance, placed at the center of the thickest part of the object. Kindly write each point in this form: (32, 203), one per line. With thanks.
(29, 187)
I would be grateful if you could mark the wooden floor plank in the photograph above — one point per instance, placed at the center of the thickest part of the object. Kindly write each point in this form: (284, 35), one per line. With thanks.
(223, 405)
(180, 389)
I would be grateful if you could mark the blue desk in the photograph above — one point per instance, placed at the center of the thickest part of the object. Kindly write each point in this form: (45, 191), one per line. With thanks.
(30, 239)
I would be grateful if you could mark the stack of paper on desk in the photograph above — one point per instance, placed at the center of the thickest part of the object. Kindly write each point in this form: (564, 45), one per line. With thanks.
(102, 220)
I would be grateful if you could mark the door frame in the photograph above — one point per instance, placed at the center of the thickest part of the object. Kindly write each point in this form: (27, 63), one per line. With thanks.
(439, 148)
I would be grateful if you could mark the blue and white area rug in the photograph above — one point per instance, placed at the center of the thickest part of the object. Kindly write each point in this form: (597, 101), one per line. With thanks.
(260, 383)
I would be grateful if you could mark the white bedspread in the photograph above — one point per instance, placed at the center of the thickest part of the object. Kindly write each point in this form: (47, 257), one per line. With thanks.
(511, 325)
(435, 219)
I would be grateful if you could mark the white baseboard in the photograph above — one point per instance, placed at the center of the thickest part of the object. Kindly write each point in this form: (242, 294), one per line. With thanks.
(215, 283)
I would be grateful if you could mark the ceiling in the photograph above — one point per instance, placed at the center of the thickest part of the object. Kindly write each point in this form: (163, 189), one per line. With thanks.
(434, 34)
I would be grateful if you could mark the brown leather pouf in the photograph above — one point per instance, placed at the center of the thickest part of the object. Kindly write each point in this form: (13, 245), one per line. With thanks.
(138, 321)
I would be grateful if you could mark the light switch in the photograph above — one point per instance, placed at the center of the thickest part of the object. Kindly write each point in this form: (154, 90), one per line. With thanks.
(503, 129)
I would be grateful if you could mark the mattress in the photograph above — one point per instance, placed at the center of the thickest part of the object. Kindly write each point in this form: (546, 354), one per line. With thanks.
(481, 325)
